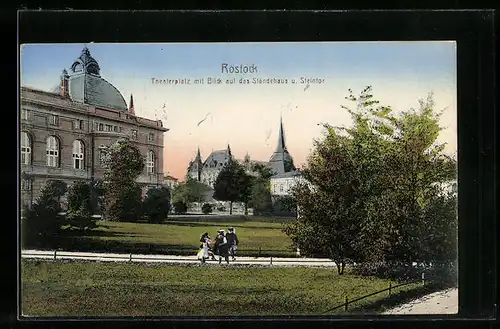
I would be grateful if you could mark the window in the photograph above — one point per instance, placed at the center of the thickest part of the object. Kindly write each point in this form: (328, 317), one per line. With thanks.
(54, 120)
(25, 114)
(79, 124)
(102, 157)
(281, 187)
(134, 134)
(78, 154)
(100, 127)
(116, 129)
(26, 184)
(151, 137)
(108, 128)
(25, 148)
(150, 164)
(52, 151)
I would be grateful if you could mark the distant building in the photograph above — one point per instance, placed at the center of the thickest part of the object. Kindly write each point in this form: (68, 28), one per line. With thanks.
(65, 132)
(170, 182)
(281, 162)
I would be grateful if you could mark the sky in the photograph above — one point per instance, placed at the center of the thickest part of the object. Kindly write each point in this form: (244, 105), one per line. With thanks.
(247, 115)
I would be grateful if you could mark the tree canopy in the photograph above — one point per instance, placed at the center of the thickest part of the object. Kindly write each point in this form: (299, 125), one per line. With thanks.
(233, 184)
(372, 191)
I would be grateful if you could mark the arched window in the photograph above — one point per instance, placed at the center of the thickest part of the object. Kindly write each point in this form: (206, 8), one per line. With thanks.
(52, 151)
(78, 154)
(150, 163)
(25, 148)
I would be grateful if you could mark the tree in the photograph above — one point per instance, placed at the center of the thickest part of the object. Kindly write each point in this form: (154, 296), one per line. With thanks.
(373, 189)
(156, 205)
(260, 197)
(80, 208)
(43, 220)
(189, 191)
(180, 207)
(233, 184)
(122, 196)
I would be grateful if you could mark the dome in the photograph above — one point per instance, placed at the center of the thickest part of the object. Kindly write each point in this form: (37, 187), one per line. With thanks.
(87, 86)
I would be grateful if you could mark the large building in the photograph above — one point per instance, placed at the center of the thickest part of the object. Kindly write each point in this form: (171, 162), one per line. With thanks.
(65, 132)
(281, 162)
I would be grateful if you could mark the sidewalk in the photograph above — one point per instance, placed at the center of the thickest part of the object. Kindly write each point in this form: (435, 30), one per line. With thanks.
(173, 259)
(441, 302)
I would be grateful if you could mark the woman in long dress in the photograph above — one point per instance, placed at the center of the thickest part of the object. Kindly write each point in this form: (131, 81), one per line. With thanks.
(204, 252)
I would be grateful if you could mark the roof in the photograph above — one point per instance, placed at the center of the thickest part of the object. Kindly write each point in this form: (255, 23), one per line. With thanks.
(293, 173)
(94, 90)
(168, 177)
(217, 158)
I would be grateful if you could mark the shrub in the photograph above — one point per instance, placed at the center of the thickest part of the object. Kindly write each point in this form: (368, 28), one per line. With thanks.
(156, 205)
(42, 221)
(127, 207)
(180, 207)
(206, 208)
(79, 214)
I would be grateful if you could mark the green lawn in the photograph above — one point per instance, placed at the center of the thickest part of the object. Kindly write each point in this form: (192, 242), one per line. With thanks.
(180, 237)
(117, 289)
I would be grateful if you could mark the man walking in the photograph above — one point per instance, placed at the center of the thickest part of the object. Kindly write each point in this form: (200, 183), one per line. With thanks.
(232, 241)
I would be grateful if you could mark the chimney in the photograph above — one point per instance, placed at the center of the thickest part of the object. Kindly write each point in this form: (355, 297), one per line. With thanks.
(131, 105)
(64, 87)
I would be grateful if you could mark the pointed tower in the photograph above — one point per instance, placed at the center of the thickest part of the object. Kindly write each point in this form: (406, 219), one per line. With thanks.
(131, 105)
(196, 167)
(281, 161)
(229, 155)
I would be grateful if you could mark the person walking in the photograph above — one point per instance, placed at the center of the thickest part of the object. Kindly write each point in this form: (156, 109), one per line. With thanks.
(205, 251)
(222, 246)
(232, 241)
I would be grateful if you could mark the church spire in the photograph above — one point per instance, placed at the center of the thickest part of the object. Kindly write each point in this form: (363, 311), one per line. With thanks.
(281, 138)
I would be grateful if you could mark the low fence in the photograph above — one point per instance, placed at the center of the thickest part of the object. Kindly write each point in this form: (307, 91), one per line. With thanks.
(62, 255)
(390, 289)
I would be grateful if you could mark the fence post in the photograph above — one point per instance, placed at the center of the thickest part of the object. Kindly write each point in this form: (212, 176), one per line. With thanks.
(260, 250)
(55, 254)
(390, 288)
(271, 261)
(346, 302)
(130, 257)
(423, 277)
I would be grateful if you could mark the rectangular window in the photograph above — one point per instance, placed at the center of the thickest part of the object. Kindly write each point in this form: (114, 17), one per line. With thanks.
(100, 127)
(134, 134)
(25, 114)
(102, 158)
(151, 137)
(54, 120)
(26, 184)
(78, 125)
(116, 129)
(108, 128)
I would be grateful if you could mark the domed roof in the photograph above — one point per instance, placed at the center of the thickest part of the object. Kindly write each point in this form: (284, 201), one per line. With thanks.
(87, 86)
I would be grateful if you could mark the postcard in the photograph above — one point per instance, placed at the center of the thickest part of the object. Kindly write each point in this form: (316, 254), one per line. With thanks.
(238, 179)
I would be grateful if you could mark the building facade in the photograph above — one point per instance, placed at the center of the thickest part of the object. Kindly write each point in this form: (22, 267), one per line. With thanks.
(64, 133)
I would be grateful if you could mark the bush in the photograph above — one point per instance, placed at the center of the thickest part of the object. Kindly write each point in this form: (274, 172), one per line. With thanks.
(156, 205)
(42, 221)
(80, 207)
(221, 208)
(207, 208)
(180, 207)
(125, 207)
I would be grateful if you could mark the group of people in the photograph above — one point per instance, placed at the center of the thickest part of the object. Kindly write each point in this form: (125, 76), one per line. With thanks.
(223, 246)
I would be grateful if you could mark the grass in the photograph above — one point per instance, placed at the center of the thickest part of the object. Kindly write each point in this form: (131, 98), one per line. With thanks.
(180, 237)
(115, 289)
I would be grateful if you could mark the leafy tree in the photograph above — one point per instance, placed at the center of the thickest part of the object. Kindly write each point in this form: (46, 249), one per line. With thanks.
(207, 208)
(42, 221)
(260, 197)
(233, 184)
(80, 208)
(373, 189)
(156, 205)
(122, 196)
(189, 191)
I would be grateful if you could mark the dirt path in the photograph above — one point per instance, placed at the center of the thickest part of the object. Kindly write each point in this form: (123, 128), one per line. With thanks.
(441, 302)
